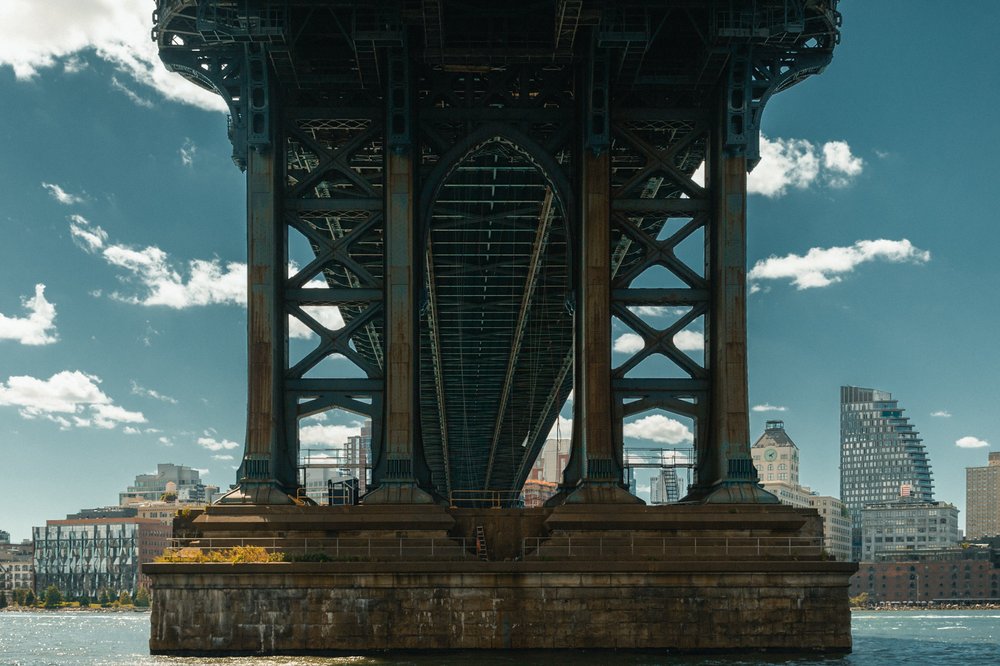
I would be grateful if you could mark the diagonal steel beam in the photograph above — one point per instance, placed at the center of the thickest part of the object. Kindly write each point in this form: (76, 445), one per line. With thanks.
(433, 325)
(545, 216)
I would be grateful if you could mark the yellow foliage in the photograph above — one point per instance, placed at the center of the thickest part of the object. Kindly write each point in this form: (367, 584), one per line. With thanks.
(234, 555)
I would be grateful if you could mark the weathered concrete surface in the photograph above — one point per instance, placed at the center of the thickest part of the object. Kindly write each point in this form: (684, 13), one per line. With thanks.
(679, 577)
(349, 606)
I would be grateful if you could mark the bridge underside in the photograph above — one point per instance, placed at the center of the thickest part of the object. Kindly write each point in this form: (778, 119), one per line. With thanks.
(458, 202)
(458, 213)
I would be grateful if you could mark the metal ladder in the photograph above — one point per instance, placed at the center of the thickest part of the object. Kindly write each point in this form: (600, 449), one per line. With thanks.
(481, 543)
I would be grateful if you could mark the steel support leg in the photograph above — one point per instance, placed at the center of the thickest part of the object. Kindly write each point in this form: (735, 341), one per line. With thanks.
(592, 406)
(268, 473)
(725, 471)
(399, 483)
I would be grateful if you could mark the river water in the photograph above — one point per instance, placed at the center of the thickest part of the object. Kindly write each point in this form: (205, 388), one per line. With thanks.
(913, 638)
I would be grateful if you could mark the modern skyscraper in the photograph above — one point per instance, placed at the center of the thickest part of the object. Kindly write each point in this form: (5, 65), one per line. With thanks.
(982, 499)
(665, 487)
(881, 455)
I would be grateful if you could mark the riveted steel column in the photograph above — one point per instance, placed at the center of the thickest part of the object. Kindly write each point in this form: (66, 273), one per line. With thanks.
(593, 440)
(593, 376)
(398, 483)
(725, 471)
(268, 473)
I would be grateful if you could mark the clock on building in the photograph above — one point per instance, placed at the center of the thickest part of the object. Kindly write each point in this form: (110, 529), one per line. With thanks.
(770, 454)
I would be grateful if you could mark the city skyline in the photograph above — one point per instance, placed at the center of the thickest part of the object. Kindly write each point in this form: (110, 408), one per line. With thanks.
(122, 331)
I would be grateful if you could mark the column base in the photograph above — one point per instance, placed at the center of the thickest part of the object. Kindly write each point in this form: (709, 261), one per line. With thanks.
(594, 492)
(730, 492)
(258, 492)
(390, 492)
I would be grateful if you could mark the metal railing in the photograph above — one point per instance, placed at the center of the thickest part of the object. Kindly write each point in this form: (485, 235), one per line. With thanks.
(348, 549)
(671, 548)
(486, 499)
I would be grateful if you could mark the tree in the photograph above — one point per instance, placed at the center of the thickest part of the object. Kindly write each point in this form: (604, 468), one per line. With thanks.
(53, 597)
(84, 601)
(29, 598)
(124, 599)
(104, 598)
(142, 598)
(3, 600)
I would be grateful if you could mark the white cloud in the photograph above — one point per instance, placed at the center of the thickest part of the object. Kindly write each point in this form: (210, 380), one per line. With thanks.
(328, 434)
(690, 340)
(67, 398)
(109, 416)
(821, 267)
(61, 195)
(165, 441)
(969, 442)
(561, 429)
(74, 64)
(38, 327)
(37, 35)
(135, 97)
(203, 471)
(941, 413)
(328, 316)
(842, 165)
(659, 428)
(768, 408)
(797, 163)
(783, 163)
(205, 282)
(629, 343)
(651, 310)
(150, 393)
(224, 456)
(213, 444)
(187, 152)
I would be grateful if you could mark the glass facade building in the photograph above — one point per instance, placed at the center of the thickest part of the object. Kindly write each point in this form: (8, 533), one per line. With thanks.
(882, 456)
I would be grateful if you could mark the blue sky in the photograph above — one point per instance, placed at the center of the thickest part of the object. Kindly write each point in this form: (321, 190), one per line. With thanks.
(872, 243)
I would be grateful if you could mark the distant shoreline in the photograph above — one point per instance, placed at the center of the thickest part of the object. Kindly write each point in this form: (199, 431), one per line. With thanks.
(924, 607)
(38, 609)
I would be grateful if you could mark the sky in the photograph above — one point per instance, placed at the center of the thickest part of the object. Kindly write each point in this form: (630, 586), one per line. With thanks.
(122, 268)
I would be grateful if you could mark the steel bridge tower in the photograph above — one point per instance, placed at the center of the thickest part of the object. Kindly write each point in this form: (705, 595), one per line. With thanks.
(458, 210)
(481, 193)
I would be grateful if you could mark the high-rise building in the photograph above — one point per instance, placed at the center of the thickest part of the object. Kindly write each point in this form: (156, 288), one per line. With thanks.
(895, 528)
(546, 473)
(881, 454)
(665, 487)
(184, 482)
(982, 499)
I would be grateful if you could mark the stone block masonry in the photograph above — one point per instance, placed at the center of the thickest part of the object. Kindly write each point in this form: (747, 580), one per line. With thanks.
(335, 607)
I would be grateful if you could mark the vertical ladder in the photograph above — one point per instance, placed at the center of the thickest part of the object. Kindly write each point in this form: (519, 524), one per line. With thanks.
(481, 543)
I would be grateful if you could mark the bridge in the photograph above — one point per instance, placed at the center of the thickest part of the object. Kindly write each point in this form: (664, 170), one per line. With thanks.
(460, 200)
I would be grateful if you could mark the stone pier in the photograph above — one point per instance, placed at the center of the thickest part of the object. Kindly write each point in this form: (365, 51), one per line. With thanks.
(688, 579)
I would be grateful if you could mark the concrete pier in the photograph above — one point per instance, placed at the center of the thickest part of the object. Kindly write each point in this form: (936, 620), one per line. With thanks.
(677, 578)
